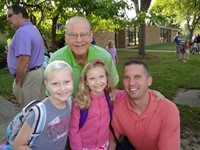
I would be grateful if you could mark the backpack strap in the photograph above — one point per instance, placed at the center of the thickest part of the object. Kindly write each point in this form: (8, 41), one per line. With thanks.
(83, 117)
(39, 122)
(84, 113)
(29, 105)
(108, 101)
(69, 101)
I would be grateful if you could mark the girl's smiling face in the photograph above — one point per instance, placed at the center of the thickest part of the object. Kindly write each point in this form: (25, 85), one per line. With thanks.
(60, 84)
(96, 79)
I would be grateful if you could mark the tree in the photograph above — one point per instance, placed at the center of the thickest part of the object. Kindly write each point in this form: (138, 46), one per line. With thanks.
(141, 12)
(184, 12)
(48, 14)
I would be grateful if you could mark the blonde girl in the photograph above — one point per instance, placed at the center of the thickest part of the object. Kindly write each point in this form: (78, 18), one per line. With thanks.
(112, 50)
(94, 134)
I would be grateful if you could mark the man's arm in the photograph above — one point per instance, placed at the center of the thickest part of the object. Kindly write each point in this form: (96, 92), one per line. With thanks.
(22, 67)
(158, 95)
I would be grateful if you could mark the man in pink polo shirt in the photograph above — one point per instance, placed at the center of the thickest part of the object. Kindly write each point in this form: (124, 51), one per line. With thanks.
(148, 123)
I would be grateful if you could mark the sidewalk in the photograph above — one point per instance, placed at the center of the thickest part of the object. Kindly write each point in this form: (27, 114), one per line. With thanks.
(187, 97)
(146, 50)
(7, 113)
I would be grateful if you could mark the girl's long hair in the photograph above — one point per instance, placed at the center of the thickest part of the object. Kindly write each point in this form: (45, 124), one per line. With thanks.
(83, 100)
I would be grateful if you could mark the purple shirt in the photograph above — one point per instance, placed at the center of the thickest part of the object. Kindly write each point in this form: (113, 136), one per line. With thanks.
(26, 41)
(113, 52)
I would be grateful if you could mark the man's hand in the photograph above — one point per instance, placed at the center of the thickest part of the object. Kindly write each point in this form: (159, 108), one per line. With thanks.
(158, 94)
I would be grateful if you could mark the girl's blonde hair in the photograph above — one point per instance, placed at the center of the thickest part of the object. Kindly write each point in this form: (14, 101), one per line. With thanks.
(82, 100)
(56, 65)
(110, 41)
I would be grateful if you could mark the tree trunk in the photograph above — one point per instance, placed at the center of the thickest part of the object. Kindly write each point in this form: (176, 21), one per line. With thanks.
(53, 34)
(145, 4)
(141, 50)
(191, 33)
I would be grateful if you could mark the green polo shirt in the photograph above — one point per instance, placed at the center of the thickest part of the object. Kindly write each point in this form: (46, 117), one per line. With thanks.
(95, 52)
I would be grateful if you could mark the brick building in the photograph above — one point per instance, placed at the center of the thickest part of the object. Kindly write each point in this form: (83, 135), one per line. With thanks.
(102, 38)
(129, 36)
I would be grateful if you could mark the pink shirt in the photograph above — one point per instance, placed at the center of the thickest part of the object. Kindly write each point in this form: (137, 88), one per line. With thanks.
(157, 128)
(95, 131)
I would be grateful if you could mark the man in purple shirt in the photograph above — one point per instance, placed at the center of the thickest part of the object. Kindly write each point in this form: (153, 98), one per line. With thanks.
(25, 57)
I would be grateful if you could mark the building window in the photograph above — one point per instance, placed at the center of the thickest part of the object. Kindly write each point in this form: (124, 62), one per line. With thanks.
(132, 36)
(164, 35)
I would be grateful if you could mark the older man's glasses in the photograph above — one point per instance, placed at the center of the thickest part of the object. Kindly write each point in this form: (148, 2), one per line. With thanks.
(84, 35)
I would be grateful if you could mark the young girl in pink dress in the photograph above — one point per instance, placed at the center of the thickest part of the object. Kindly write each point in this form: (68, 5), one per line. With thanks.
(112, 50)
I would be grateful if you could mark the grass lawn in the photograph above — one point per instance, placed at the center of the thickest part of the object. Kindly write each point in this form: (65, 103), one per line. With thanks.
(6, 81)
(169, 46)
(168, 76)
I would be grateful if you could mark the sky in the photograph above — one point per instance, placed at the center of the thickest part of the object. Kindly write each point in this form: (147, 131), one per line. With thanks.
(131, 13)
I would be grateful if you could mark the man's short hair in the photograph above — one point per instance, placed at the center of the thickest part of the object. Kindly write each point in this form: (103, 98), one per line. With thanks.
(75, 19)
(138, 62)
(19, 9)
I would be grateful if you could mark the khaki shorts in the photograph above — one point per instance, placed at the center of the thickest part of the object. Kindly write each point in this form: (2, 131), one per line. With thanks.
(32, 87)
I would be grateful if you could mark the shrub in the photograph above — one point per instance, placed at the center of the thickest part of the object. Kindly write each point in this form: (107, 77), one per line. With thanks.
(3, 60)
(2, 47)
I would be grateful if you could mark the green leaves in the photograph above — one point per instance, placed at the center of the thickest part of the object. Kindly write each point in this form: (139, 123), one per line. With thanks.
(177, 13)
(45, 14)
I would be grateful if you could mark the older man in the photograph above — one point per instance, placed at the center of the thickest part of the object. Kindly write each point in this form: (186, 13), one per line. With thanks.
(25, 57)
(79, 50)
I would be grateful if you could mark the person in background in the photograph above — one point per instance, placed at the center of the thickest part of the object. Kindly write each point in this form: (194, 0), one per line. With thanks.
(149, 124)
(198, 41)
(25, 57)
(188, 48)
(177, 41)
(61, 43)
(193, 40)
(47, 54)
(112, 50)
(93, 41)
(59, 82)
(183, 50)
(79, 50)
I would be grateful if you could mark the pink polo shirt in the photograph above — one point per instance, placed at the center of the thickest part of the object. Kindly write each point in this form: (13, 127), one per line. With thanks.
(157, 128)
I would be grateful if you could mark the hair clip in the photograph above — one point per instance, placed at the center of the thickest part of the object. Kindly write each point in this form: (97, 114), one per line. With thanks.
(99, 61)
(96, 61)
